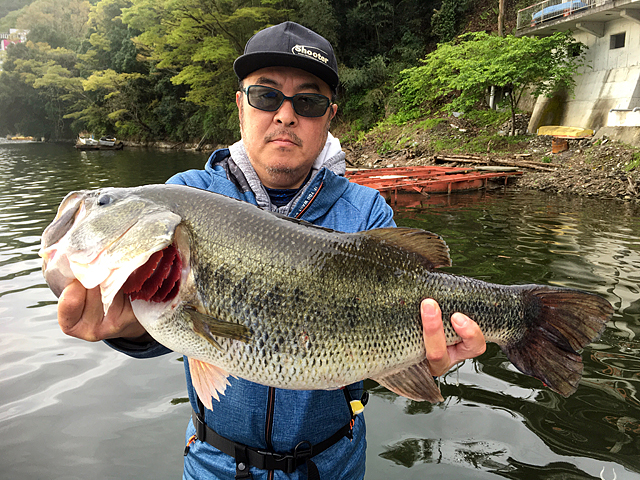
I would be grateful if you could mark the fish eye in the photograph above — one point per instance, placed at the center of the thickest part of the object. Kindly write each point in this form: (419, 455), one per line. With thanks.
(105, 199)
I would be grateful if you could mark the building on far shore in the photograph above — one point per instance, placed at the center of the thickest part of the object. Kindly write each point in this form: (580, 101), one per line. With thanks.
(607, 95)
(14, 36)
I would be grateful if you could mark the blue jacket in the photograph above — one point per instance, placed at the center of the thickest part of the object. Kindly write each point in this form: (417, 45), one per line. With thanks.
(270, 418)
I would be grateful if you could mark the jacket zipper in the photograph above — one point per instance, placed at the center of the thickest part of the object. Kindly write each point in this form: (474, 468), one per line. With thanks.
(268, 430)
(310, 201)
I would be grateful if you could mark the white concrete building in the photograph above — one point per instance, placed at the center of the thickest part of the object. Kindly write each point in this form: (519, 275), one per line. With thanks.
(6, 39)
(607, 95)
(14, 36)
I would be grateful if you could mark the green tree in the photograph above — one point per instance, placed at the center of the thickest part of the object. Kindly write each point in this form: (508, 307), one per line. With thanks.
(399, 30)
(110, 44)
(446, 21)
(60, 23)
(43, 71)
(319, 16)
(7, 6)
(460, 73)
(10, 10)
(124, 93)
(59, 87)
(47, 87)
(376, 39)
(367, 92)
(22, 111)
(196, 41)
(116, 100)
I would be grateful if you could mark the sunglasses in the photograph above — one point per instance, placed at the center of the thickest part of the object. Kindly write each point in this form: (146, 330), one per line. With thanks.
(269, 100)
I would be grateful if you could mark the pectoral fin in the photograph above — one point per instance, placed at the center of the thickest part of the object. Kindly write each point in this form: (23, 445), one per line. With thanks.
(208, 328)
(415, 383)
(208, 380)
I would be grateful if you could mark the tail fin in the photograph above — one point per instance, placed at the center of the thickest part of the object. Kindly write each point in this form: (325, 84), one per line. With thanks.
(562, 321)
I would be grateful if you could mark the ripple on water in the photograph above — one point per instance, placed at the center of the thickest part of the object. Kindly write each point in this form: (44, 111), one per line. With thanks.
(74, 409)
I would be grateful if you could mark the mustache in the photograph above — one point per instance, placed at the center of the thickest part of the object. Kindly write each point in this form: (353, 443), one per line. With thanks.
(284, 133)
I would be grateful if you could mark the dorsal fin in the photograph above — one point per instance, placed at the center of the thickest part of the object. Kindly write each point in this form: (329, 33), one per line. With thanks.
(431, 247)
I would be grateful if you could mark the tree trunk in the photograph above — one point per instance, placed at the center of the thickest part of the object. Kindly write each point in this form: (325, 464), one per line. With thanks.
(500, 34)
(201, 142)
(513, 106)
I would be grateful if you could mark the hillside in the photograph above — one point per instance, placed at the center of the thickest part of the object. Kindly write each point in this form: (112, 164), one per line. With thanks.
(590, 167)
(9, 10)
(7, 6)
(597, 167)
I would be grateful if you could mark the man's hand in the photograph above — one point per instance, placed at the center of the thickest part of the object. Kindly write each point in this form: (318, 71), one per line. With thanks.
(442, 357)
(81, 315)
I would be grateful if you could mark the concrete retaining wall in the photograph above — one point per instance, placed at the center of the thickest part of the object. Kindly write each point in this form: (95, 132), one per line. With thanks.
(612, 83)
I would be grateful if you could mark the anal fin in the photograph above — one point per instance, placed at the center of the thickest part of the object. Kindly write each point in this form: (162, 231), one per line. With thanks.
(208, 380)
(415, 383)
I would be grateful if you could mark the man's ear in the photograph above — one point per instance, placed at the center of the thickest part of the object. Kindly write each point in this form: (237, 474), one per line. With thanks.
(239, 100)
(334, 110)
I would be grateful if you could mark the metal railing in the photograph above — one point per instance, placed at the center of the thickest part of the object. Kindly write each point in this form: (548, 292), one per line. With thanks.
(550, 9)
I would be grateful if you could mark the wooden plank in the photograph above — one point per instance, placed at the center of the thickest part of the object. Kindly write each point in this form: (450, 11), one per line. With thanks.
(427, 179)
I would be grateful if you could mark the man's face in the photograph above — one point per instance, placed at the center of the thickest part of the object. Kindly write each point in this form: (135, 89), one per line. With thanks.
(283, 145)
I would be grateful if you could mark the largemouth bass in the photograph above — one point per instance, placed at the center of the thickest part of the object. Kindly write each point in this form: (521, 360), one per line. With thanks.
(244, 292)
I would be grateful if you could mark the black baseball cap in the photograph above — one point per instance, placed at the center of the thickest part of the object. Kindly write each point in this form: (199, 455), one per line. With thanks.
(289, 45)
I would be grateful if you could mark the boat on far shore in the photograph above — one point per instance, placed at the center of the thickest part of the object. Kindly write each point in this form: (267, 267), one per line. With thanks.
(105, 143)
(21, 138)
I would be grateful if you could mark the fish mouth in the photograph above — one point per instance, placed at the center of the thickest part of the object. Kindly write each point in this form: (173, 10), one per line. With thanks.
(113, 243)
(158, 280)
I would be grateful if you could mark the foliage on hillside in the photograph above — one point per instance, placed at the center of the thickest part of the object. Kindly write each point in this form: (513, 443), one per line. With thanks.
(162, 69)
(460, 74)
(9, 12)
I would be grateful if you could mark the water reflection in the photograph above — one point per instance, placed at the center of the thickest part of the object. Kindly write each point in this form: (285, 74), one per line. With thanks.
(517, 237)
(492, 458)
(69, 409)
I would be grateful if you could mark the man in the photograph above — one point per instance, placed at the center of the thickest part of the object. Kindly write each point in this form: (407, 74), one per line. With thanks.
(287, 161)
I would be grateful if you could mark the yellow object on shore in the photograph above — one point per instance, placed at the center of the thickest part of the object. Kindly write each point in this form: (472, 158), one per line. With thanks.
(568, 132)
(21, 138)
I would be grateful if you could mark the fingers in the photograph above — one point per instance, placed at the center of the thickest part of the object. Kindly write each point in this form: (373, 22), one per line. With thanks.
(71, 306)
(434, 339)
(121, 322)
(81, 315)
(442, 357)
(473, 342)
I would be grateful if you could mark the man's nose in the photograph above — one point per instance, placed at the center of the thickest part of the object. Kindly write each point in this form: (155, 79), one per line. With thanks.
(286, 115)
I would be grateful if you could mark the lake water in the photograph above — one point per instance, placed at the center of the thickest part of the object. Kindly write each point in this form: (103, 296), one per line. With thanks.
(75, 410)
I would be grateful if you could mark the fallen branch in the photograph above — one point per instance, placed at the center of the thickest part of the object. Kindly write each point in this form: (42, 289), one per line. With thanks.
(201, 143)
(532, 165)
(476, 160)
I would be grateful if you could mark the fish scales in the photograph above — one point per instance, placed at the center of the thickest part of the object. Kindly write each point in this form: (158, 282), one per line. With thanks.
(308, 302)
(291, 305)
